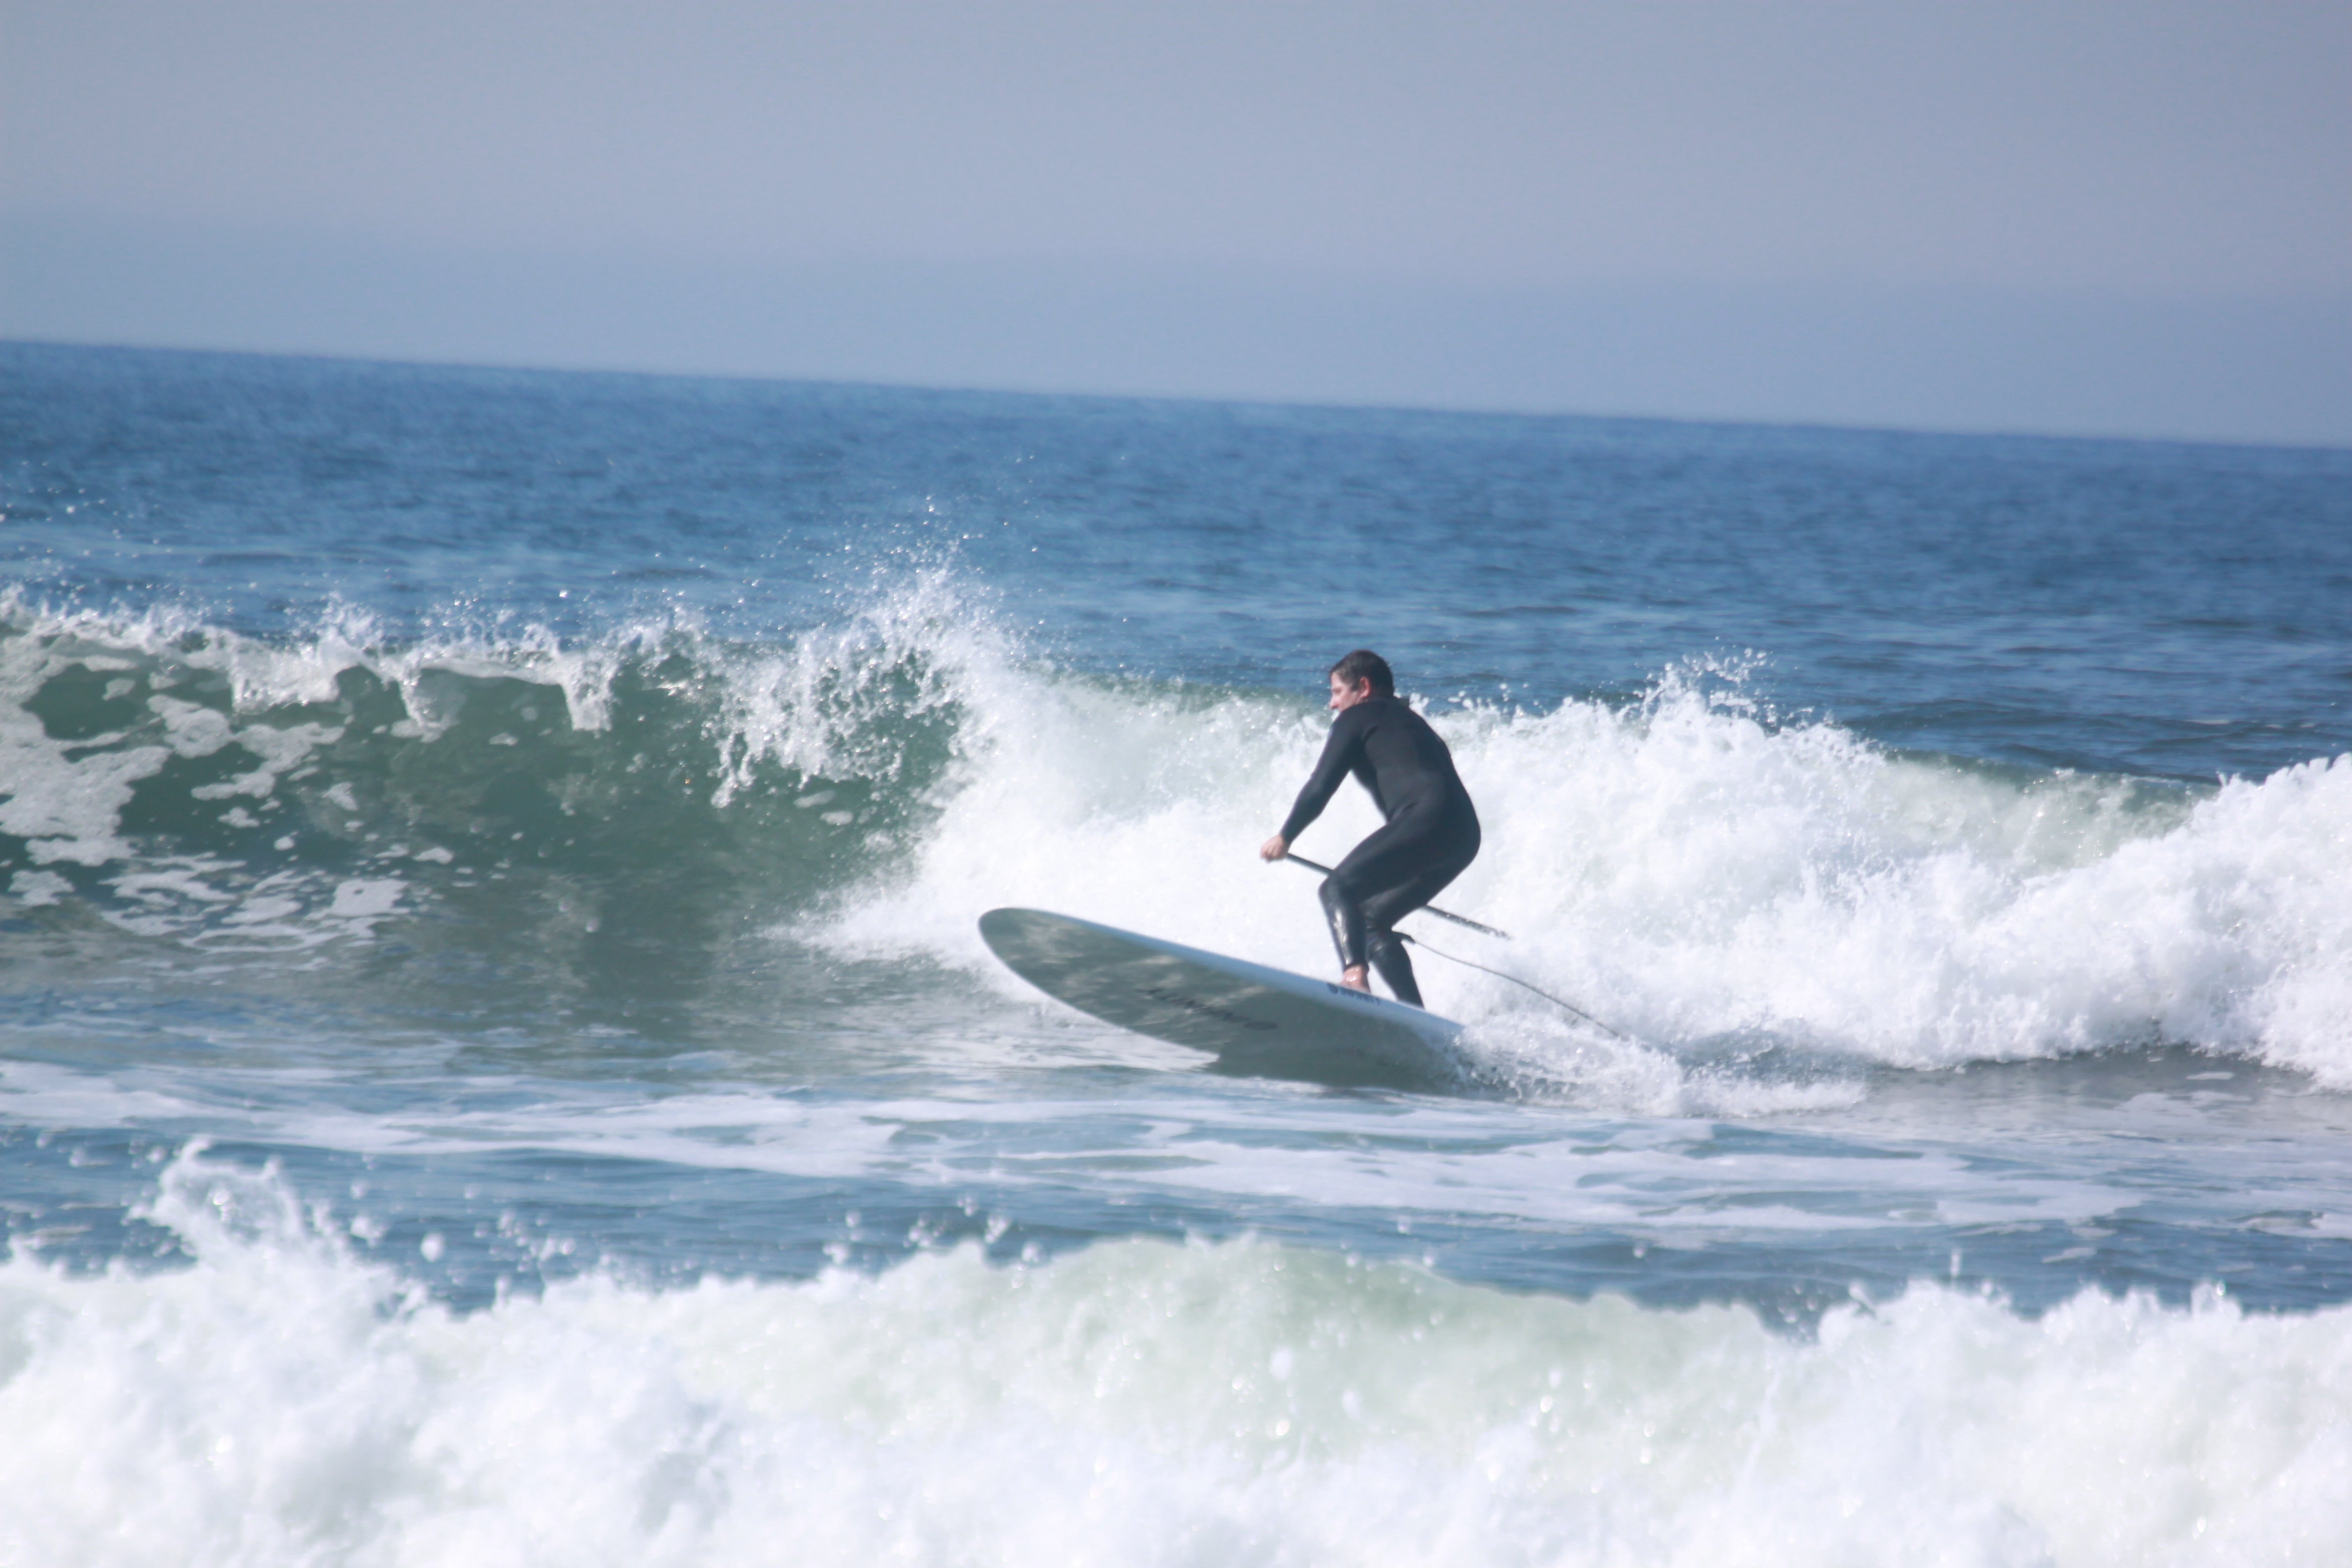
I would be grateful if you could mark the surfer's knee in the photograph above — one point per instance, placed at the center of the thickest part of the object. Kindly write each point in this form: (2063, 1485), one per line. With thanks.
(1339, 899)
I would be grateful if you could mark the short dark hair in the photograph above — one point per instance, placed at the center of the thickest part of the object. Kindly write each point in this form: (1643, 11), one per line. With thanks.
(1365, 665)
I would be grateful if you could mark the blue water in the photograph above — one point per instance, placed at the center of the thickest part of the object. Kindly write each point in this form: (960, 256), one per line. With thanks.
(487, 872)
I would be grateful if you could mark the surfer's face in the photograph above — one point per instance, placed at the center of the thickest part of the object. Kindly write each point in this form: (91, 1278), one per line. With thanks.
(1344, 696)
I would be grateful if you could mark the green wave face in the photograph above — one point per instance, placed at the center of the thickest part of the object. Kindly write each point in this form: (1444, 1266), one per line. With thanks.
(586, 827)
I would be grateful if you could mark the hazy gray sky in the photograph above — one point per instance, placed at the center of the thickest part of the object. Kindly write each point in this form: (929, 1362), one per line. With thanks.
(1974, 215)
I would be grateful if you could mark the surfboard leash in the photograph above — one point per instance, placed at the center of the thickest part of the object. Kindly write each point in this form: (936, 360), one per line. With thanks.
(1569, 1006)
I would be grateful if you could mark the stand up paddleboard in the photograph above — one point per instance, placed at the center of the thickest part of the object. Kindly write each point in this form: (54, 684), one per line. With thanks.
(1260, 1022)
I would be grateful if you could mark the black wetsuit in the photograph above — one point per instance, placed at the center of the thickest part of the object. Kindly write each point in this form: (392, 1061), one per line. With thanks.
(1431, 832)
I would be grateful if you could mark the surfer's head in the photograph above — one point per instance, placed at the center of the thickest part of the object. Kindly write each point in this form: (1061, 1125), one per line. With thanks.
(1360, 674)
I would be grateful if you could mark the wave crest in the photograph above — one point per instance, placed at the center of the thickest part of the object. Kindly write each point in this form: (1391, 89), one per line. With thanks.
(192, 784)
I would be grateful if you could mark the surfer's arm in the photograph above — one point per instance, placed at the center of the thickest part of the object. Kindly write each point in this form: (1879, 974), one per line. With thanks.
(1339, 754)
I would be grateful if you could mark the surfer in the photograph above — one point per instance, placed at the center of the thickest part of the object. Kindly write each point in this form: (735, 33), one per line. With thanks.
(1432, 831)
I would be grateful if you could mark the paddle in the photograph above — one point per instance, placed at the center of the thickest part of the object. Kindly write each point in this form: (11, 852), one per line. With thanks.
(1489, 931)
(1425, 909)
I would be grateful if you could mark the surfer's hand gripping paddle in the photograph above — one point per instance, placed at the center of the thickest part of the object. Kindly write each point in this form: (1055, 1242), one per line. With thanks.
(1425, 909)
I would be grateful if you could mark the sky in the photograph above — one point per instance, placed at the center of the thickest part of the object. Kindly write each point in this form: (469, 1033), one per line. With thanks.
(2117, 219)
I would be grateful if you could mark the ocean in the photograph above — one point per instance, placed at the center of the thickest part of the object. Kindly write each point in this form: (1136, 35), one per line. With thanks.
(497, 1064)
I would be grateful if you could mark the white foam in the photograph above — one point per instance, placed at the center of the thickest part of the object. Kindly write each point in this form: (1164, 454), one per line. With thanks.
(1138, 1403)
(39, 889)
(68, 805)
(279, 750)
(1685, 870)
(363, 901)
(1536, 1169)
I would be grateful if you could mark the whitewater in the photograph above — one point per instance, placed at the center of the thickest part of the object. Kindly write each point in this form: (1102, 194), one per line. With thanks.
(496, 1062)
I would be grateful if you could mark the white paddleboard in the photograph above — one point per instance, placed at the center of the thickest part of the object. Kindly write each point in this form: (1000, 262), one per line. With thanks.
(1260, 1022)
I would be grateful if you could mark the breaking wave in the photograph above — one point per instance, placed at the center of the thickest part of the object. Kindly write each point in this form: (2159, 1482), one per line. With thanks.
(276, 1400)
(1735, 888)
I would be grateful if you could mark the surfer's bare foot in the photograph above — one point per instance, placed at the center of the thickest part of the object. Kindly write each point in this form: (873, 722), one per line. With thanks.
(1354, 979)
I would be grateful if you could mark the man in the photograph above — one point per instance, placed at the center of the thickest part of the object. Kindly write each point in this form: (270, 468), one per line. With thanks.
(1431, 832)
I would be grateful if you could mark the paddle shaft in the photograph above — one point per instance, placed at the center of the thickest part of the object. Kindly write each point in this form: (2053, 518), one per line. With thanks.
(1426, 909)
(1489, 931)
